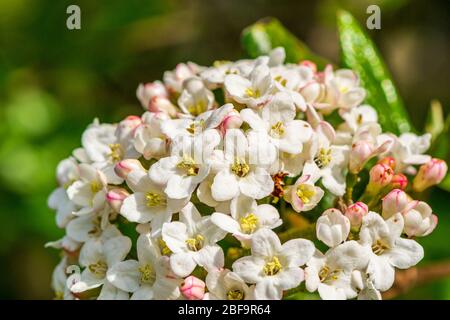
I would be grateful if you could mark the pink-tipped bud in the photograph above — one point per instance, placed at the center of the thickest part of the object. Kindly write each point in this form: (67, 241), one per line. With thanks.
(389, 161)
(193, 288)
(360, 153)
(310, 65)
(232, 120)
(145, 92)
(380, 175)
(124, 167)
(355, 214)
(399, 181)
(430, 174)
(395, 201)
(115, 198)
(162, 104)
(127, 126)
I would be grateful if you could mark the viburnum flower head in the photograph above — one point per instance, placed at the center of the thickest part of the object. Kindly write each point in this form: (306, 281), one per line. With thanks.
(223, 185)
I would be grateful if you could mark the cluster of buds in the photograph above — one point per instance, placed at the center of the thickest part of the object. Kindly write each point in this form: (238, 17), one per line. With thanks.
(195, 199)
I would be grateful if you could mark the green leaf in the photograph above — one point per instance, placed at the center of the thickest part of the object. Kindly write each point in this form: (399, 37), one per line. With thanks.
(435, 120)
(360, 54)
(266, 34)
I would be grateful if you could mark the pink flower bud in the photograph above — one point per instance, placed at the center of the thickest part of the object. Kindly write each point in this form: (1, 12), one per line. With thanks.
(355, 213)
(115, 198)
(310, 65)
(124, 167)
(388, 161)
(127, 126)
(430, 174)
(193, 288)
(395, 201)
(360, 153)
(231, 121)
(162, 104)
(399, 181)
(381, 175)
(145, 92)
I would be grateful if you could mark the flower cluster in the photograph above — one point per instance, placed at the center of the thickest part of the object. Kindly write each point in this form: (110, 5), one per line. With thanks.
(213, 191)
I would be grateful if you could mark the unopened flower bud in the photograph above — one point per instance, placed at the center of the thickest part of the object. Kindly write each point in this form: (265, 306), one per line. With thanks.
(162, 104)
(193, 288)
(380, 175)
(388, 161)
(360, 153)
(399, 181)
(430, 174)
(394, 202)
(355, 213)
(124, 167)
(309, 64)
(127, 126)
(115, 198)
(145, 92)
(231, 121)
(419, 219)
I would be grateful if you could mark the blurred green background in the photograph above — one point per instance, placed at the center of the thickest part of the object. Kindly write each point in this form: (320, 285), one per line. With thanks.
(54, 81)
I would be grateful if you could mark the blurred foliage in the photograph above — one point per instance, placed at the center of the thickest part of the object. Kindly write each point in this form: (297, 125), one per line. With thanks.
(54, 81)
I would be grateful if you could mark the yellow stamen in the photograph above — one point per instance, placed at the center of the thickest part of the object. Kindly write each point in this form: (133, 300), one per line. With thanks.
(272, 267)
(197, 108)
(155, 199)
(249, 223)
(195, 244)
(95, 186)
(251, 93)
(379, 247)
(235, 294)
(147, 274)
(281, 80)
(99, 268)
(278, 128)
(165, 251)
(328, 275)
(305, 192)
(240, 167)
(188, 164)
(196, 126)
(116, 152)
(323, 158)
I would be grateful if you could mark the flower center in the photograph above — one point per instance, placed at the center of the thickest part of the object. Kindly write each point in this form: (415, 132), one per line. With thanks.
(278, 128)
(240, 168)
(196, 243)
(272, 267)
(327, 275)
(305, 192)
(379, 247)
(281, 80)
(188, 165)
(323, 158)
(116, 152)
(147, 274)
(95, 186)
(198, 107)
(249, 223)
(195, 126)
(154, 199)
(99, 268)
(165, 251)
(96, 229)
(252, 93)
(235, 294)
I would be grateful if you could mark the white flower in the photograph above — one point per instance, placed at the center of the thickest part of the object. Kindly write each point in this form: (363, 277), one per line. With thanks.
(276, 119)
(253, 92)
(195, 97)
(357, 117)
(148, 137)
(241, 167)
(304, 195)
(419, 219)
(332, 227)
(174, 79)
(273, 267)
(387, 249)
(148, 203)
(408, 150)
(289, 80)
(97, 256)
(92, 225)
(246, 218)
(146, 92)
(149, 277)
(59, 281)
(64, 207)
(66, 243)
(227, 285)
(187, 166)
(331, 274)
(330, 159)
(365, 287)
(89, 191)
(193, 242)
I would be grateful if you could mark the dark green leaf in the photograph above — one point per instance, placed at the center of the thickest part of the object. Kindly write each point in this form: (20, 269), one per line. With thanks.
(360, 54)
